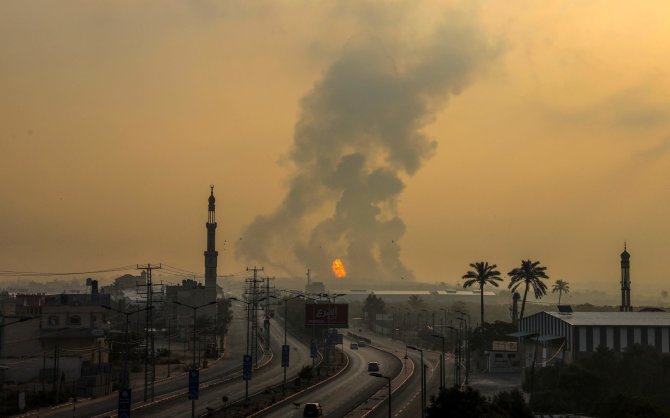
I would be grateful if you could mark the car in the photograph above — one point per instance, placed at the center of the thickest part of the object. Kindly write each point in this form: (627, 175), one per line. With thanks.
(353, 346)
(312, 409)
(362, 344)
(373, 366)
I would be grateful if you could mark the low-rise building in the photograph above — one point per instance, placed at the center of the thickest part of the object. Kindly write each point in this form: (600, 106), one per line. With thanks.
(570, 335)
(66, 338)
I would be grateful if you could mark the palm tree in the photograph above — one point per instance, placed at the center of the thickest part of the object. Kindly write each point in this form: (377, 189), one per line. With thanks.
(528, 274)
(483, 273)
(561, 286)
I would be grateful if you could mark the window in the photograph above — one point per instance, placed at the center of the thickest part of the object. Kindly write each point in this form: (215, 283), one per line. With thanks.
(75, 320)
(53, 321)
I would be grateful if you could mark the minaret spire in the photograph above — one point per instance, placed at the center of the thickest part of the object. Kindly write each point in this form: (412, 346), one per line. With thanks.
(211, 254)
(625, 280)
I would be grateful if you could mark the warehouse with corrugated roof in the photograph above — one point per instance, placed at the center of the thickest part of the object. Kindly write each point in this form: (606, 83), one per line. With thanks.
(569, 335)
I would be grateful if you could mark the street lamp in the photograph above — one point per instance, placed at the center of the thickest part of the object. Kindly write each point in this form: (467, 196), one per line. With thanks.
(445, 319)
(126, 380)
(285, 362)
(313, 343)
(246, 381)
(330, 297)
(195, 324)
(467, 343)
(457, 354)
(423, 381)
(441, 360)
(389, 382)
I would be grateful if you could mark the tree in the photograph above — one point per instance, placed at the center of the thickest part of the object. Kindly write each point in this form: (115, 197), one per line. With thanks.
(483, 273)
(561, 286)
(529, 274)
(454, 403)
(373, 305)
(469, 403)
(415, 302)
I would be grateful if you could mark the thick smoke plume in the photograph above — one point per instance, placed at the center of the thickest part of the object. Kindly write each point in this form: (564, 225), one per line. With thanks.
(359, 132)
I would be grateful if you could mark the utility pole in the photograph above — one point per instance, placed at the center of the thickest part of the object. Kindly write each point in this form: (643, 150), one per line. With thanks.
(56, 372)
(266, 322)
(194, 371)
(254, 312)
(169, 354)
(149, 348)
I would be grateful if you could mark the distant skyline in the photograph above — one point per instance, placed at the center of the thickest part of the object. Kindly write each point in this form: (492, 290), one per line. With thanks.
(545, 136)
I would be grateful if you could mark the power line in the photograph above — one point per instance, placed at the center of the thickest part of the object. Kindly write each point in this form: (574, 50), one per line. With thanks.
(38, 273)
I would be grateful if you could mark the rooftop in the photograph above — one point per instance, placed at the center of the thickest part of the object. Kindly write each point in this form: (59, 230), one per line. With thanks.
(614, 318)
(384, 292)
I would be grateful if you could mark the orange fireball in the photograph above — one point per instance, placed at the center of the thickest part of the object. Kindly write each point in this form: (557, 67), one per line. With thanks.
(338, 268)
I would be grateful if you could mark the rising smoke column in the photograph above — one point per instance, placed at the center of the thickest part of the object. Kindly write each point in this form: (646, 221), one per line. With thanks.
(359, 131)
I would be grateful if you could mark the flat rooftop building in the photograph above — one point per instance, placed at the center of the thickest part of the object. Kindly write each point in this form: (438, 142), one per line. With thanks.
(577, 334)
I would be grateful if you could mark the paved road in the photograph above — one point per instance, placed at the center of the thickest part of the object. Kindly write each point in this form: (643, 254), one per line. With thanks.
(106, 405)
(406, 401)
(270, 375)
(349, 389)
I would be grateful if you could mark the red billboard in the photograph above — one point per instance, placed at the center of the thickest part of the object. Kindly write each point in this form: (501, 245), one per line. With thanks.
(332, 315)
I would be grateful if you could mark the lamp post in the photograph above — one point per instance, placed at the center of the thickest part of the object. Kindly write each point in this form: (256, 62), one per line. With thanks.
(425, 319)
(445, 319)
(423, 381)
(441, 360)
(313, 342)
(389, 383)
(126, 380)
(457, 354)
(330, 297)
(285, 363)
(467, 343)
(195, 325)
(246, 381)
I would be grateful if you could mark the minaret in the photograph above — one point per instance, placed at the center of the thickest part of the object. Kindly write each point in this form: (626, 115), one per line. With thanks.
(625, 281)
(211, 254)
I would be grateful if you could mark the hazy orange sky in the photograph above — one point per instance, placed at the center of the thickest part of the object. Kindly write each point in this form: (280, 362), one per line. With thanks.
(551, 130)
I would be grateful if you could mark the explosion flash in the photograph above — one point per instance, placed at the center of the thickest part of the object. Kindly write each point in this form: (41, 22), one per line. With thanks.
(338, 268)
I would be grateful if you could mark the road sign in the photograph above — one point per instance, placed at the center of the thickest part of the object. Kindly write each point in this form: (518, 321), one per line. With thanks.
(246, 367)
(284, 355)
(124, 403)
(313, 350)
(193, 384)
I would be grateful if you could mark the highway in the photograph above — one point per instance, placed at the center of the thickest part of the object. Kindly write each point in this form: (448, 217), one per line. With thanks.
(107, 405)
(353, 387)
(406, 400)
(270, 375)
(223, 377)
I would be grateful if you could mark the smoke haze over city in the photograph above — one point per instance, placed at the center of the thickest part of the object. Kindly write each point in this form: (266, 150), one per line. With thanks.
(406, 138)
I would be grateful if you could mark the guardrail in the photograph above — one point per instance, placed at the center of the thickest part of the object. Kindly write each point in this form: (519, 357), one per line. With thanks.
(302, 392)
